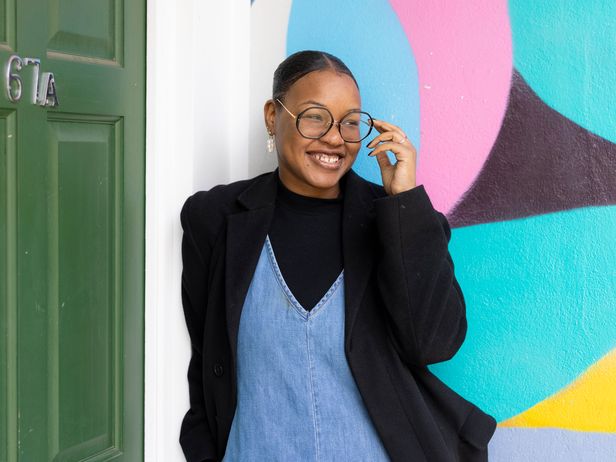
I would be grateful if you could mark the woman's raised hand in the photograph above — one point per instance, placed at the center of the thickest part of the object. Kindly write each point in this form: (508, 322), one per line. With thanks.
(398, 177)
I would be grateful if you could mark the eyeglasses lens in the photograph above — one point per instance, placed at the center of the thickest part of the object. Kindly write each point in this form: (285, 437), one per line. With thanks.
(355, 126)
(315, 122)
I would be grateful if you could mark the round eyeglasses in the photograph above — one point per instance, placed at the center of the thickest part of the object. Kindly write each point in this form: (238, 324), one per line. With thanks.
(314, 122)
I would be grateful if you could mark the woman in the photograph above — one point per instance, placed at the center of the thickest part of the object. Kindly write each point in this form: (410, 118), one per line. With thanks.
(315, 299)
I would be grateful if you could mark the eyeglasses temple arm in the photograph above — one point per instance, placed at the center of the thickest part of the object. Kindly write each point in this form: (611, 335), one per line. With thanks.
(285, 108)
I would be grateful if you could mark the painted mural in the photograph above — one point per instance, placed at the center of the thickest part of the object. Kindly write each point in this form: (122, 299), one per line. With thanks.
(511, 106)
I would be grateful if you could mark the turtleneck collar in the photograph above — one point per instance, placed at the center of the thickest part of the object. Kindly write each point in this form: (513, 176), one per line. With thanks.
(306, 203)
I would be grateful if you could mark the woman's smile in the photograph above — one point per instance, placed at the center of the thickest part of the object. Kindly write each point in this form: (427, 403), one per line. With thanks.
(327, 159)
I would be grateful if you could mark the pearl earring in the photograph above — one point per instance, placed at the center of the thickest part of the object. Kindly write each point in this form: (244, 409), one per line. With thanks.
(270, 142)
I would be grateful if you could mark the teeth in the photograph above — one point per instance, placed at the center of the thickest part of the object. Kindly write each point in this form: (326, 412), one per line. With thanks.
(327, 158)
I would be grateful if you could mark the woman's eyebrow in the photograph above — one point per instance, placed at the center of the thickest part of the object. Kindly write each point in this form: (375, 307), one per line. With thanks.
(311, 101)
(316, 103)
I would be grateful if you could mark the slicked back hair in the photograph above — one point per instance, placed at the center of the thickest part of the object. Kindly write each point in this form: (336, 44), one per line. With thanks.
(301, 63)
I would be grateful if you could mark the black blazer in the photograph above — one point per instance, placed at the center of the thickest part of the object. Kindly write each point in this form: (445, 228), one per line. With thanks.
(403, 310)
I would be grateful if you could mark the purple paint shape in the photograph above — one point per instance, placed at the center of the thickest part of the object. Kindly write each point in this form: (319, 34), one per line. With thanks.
(549, 444)
(541, 163)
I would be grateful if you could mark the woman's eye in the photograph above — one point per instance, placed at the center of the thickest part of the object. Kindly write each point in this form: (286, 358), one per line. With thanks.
(351, 123)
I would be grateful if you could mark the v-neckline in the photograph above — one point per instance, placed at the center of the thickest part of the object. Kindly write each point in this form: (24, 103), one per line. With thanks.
(306, 314)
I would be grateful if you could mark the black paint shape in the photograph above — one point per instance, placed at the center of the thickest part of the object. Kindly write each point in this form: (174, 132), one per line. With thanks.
(541, 162)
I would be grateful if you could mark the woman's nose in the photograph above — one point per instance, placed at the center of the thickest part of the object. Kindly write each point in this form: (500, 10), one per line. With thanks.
(333, 136)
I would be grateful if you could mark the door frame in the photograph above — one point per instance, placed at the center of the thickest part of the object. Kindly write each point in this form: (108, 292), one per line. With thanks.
(188, 137)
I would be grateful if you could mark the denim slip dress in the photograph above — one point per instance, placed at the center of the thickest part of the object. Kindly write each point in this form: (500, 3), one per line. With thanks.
(297, 400)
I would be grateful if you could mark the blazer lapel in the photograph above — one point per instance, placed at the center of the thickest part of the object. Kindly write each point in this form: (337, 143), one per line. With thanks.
(246, 233)
(358, 243)
(247, 230)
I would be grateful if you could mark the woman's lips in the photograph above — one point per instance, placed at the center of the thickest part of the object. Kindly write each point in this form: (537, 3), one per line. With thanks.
(326, 160)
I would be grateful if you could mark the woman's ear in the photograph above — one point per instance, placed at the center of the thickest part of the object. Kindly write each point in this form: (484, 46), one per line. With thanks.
(269, 114)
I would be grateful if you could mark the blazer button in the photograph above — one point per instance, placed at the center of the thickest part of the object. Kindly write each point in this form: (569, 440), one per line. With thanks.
(218, 370)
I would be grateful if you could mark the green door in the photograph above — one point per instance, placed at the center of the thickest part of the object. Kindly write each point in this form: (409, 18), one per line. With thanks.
(72, 231)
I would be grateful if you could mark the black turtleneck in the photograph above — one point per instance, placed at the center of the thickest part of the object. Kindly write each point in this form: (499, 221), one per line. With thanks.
(306, 237)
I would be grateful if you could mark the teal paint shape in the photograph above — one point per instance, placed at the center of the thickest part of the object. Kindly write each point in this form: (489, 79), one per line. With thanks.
(369, 38)
(541, 306)
(566, 51)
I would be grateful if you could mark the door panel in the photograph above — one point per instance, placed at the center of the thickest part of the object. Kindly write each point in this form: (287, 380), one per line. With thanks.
(8, 367)
(72, 235)
(84, 314)
(98, 35)
(4, 330)
(3, 15)
(7, 24)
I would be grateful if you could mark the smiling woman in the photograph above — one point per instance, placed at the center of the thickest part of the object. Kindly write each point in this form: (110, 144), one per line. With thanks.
(309, 166)
(315, 299)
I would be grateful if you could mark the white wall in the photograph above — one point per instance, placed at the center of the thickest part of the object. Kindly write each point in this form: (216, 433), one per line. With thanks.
(268, 39)
(197, 114)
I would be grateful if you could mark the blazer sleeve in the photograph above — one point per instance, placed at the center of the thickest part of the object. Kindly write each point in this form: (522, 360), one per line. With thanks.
(416, 278)
(196, 437)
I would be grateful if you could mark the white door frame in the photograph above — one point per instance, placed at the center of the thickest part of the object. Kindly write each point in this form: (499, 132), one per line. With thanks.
(197, 96)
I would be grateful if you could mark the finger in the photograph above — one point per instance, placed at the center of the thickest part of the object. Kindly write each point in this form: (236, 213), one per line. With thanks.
(383, 160)
(388, 126)
(387, 136)
(383, 126)
(401, 151)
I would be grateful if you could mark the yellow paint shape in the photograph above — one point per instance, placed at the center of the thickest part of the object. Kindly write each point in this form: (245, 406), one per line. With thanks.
(587, 404)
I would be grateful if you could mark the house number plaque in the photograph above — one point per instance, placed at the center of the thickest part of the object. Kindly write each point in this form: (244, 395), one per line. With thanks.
(44, 91)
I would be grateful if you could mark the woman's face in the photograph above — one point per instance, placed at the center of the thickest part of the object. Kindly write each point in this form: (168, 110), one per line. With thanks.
(314, 167)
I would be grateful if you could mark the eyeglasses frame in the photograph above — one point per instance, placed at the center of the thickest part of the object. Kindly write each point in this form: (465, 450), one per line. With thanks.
(331, 124)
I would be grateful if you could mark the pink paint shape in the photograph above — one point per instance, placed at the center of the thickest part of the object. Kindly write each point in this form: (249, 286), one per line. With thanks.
(464, 60)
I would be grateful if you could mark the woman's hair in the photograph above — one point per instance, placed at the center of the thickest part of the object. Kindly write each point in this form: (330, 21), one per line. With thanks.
(301, 63)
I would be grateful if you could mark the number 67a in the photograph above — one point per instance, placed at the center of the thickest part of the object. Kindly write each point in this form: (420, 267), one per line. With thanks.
(43, 92)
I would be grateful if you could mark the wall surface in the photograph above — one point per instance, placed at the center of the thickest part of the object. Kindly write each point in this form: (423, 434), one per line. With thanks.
(197, 96)
(511, 106)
